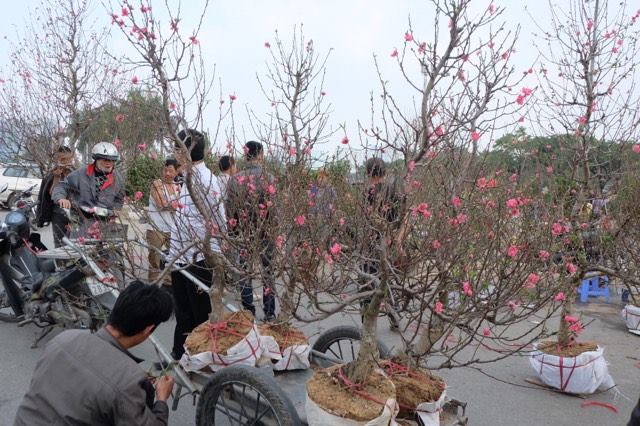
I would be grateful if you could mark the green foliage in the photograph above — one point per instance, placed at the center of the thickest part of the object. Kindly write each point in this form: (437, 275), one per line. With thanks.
(141, 174)
(139, 115)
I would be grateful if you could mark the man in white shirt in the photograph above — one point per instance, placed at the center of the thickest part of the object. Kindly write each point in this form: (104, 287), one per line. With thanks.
(162, 199)
(190, 226)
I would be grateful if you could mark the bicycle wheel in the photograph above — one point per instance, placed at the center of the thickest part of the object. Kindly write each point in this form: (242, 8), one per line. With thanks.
(242, 395)
(342, 343)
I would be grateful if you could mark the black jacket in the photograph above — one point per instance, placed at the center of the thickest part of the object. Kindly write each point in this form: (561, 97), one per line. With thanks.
(635, 416)
(45, 203)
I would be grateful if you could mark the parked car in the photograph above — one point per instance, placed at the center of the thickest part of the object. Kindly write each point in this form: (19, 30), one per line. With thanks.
(18, 178)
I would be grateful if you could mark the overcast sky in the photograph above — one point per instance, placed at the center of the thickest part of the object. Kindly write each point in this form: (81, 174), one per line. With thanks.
(235, 31)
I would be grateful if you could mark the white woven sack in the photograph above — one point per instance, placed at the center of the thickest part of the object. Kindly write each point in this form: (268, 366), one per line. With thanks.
(245, 352)
(583, 374)
(295, 357)
(631, 315)
(317, 416)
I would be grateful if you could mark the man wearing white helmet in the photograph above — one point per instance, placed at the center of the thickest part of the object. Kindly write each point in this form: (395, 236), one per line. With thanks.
(97, 185)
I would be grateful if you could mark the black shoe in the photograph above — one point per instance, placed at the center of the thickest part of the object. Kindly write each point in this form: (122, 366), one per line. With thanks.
(269, 318)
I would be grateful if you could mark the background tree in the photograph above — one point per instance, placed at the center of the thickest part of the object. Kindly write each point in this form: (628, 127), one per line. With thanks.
(59, 68)
(587, 93)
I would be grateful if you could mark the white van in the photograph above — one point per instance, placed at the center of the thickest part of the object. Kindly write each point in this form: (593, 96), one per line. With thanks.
(18, 178)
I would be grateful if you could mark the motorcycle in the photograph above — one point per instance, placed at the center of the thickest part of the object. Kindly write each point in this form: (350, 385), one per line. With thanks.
(25, 203)
(62, 287)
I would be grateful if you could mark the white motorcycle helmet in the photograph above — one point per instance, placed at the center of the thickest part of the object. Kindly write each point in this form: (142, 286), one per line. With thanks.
(105, 151)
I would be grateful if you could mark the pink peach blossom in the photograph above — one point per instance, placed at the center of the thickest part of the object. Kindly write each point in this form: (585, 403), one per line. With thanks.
(408, 36)
(138, 195)
(571, 268)
(570, 319)
(486, 332)
(475, 136)
(559, 297)
(543, 255)
(557, 229)
(466, 288)
(532, 280)
(512, 252)
(439, 307)
(300, 220)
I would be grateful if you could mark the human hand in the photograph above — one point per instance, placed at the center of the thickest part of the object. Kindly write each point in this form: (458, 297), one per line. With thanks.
(164, 386)
(64, 203)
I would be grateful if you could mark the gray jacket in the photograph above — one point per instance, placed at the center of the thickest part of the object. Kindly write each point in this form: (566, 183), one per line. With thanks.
(80, 188)
(89, 379)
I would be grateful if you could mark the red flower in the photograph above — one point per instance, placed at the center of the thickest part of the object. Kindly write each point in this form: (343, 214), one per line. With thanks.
(119, 118)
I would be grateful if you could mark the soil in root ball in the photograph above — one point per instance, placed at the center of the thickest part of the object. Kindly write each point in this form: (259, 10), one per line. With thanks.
(416, 387)
(222, 336)
(330, 393)
(285, 335)
(570, 351)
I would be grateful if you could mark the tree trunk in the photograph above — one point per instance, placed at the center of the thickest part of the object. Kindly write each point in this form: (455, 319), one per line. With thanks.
(368, 355)
(286, 301)
(565, 336)
(427, 339)
(216, 292)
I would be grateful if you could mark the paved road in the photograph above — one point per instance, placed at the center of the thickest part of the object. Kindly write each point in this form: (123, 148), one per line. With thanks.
(491, 401)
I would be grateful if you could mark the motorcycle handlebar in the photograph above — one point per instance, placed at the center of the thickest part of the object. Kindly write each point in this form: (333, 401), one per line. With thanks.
(98, 212)
(94, 267)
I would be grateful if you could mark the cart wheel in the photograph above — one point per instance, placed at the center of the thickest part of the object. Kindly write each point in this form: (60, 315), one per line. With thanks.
(341, 342)
(242, 395)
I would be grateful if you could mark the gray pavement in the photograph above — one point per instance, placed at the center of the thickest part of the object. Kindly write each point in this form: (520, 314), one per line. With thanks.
(504, 400)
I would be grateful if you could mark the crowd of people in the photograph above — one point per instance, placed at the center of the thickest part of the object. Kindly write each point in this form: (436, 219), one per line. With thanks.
(107, 386)
(85, 378)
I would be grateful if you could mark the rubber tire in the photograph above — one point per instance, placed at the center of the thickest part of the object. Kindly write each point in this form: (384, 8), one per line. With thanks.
(345, 332)
(11, 201)
(264, 384)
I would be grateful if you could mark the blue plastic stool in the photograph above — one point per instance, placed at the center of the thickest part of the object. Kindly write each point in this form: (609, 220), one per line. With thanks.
(591, 287)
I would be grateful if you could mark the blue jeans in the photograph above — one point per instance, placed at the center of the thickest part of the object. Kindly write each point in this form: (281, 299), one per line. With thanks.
(268, 283)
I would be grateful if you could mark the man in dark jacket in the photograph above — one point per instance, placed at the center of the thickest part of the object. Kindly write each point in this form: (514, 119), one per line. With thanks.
(96, 185)
(383, 213)
(93, 379)
(247, 208)
(47, 211)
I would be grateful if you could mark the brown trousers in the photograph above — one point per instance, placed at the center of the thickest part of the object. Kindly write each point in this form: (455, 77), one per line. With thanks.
(159, 241)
